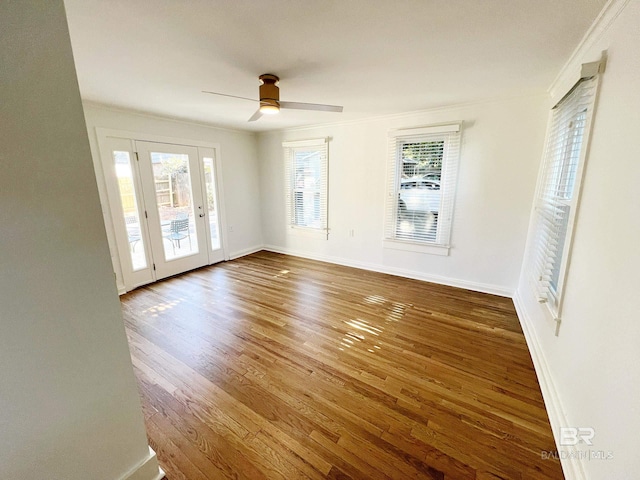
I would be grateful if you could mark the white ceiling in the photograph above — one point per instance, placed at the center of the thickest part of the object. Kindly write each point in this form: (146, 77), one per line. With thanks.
(374, 57)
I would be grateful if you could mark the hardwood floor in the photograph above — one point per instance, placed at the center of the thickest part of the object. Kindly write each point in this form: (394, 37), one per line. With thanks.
(276, 367)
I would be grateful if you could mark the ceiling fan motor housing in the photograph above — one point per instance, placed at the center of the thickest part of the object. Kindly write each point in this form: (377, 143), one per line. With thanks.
(269, 90)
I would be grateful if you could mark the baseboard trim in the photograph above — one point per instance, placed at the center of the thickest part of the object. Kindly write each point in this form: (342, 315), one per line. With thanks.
(246, 251)
(451, 282)
(572, 467)
(147, 470)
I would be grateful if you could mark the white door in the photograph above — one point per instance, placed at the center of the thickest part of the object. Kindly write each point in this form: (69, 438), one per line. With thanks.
(175, 206)
(166, 208)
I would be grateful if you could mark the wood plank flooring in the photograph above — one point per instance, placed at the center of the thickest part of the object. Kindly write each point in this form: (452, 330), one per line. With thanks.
(277, 367)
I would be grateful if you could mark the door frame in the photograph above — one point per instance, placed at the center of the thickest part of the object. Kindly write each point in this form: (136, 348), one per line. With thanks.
(119, 248)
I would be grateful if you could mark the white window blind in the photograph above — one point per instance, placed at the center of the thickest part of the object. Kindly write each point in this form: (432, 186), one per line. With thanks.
(421, 182)
(306, 177)
(559, 187)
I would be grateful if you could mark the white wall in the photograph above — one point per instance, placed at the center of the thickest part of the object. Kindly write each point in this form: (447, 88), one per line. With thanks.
(501, 148)
(594, 364)
(239, 170)
(69, 407)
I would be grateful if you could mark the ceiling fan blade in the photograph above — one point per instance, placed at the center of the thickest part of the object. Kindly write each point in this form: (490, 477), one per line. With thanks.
(232, 96)
(311, 106)
(255, 116)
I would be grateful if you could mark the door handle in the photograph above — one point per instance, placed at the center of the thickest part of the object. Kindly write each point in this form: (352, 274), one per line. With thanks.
(201, 215)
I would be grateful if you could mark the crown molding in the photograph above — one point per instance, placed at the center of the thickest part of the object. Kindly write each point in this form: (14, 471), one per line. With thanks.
(158, 116)
(600, 25)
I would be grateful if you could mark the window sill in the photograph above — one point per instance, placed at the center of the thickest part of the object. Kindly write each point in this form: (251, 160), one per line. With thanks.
(308, 232)
(549, 307)
(431, 249)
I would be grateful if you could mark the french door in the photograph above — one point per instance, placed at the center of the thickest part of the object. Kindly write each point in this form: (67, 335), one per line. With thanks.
(165, 207)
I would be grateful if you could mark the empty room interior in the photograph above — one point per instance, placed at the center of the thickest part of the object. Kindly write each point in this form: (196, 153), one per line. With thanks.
(319, 239)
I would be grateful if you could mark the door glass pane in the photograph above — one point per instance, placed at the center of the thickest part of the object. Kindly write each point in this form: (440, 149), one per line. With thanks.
(172, 182)
(130, 209)
(210, 182)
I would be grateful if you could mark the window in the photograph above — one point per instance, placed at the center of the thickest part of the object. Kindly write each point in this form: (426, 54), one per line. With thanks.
(559, 186)
(421, 188)
(306, 168)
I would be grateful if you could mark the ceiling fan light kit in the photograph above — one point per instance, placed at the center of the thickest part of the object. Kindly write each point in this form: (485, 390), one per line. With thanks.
(269, 94)
(270, 103)
(269, 109)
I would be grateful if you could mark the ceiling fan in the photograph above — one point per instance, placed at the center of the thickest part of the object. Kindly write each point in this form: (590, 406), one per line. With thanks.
(270, 99)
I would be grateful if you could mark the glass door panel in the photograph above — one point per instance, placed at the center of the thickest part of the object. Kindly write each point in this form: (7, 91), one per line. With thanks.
(210, 167)
(129, 202)
(126, 205)
(212, 202)
(174, 200)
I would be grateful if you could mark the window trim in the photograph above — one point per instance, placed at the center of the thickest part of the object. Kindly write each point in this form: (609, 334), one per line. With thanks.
(554, 301)
(290, 147)
(451, 134)
(410, 246)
